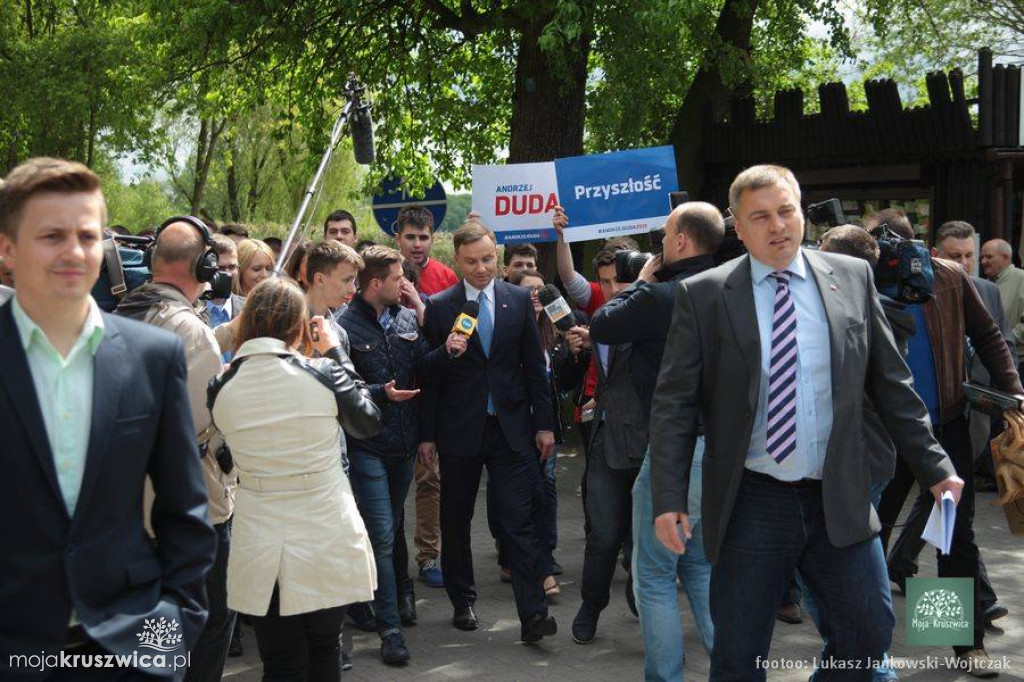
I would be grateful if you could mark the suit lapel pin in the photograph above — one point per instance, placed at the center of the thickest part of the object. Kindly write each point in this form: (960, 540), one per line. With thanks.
(833, 287)
(504, 305)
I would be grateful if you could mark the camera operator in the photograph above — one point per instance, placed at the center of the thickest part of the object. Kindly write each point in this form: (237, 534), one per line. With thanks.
(954, 315)
(178, 257)
(640, 316)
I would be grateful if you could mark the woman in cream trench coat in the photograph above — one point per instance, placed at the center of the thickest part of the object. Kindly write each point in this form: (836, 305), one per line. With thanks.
(298, 543)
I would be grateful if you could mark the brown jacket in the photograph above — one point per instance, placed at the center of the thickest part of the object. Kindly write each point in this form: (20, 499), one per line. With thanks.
(956, 313)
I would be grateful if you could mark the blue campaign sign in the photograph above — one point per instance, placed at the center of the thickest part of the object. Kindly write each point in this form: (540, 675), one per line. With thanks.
(391, 198)
(607, 195)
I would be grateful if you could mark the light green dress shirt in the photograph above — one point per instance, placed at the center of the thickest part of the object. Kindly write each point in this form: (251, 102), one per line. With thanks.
(64, 389)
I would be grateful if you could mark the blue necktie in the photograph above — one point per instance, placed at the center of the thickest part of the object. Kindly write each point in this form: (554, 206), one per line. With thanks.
(485, 329)
(219, 316)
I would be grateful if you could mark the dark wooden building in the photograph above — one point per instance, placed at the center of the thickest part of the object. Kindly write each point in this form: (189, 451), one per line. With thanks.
(952, 159)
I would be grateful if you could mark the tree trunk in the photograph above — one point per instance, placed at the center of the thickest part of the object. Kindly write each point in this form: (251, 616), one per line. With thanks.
(259, 161)
(547, 111)
(234, 206)
(209, 132)
(90, 153)
(709, 95)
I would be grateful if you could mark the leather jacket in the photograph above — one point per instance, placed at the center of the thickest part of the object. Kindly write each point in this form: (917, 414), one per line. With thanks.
(956, 313)
(380, 356)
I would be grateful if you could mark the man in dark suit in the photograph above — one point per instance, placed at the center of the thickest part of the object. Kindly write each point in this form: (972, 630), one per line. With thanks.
(775, 351)
(86, 418)
(486, 402)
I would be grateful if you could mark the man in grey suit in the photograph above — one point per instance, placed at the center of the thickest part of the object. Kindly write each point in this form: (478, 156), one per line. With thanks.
(775, 351)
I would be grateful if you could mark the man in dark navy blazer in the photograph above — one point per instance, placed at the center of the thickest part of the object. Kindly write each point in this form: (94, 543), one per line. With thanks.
(90, 405)
(486, 402)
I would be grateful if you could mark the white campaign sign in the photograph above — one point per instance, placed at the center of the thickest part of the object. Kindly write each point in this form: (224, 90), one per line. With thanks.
(517, 198)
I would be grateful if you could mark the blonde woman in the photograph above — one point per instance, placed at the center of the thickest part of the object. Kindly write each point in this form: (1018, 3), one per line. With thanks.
(299, 549)
(255, 264)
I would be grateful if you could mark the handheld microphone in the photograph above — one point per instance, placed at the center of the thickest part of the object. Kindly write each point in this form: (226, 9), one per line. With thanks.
(465, 323)
(359, 121)
(555, 307)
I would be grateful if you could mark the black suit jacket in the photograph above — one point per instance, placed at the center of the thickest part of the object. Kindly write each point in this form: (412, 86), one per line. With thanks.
(100, 562)
(454, 398)
(712, 367)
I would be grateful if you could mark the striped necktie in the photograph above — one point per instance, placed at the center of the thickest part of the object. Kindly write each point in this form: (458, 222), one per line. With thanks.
(782, 373)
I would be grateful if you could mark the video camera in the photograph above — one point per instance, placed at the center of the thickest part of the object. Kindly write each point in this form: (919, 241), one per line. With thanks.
(628, 264)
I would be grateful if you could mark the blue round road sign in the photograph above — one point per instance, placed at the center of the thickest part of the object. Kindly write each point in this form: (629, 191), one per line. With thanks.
(391, 198)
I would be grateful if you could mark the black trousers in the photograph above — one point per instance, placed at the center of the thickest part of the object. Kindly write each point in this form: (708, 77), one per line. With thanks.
(963, 560)
(513, 475)
(305, 647)
(209, 653)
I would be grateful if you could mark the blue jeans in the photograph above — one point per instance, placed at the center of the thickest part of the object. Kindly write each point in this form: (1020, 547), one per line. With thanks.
(774, 529)
(654, 579)
(883, 673)
(380, 485)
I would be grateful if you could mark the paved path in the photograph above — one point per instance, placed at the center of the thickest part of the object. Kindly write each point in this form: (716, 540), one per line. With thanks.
(442, 653)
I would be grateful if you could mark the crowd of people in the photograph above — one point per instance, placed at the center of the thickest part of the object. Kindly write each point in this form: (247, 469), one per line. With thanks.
(239, 437)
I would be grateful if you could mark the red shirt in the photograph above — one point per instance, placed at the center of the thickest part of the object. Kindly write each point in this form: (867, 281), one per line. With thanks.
(596, 299)
(435, 277)
(590, 380)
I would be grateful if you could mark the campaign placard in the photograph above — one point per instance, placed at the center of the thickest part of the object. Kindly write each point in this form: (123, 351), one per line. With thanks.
(605, 195)
(517, 200)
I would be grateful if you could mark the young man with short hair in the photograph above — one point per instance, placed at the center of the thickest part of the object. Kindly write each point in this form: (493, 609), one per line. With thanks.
(414, 233)
(519, 257)
(91, 407)
(331, 271)
(340, 226)
(386, 349)
(415, 236)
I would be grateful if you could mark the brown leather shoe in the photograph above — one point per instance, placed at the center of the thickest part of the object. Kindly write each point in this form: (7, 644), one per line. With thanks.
(790, 613)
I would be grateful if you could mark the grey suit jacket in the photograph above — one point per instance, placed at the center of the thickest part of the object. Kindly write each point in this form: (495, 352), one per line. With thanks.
(989, 293)
(712, 367)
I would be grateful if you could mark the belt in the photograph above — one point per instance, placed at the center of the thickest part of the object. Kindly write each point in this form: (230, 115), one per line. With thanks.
(289, 482)
(765, 478)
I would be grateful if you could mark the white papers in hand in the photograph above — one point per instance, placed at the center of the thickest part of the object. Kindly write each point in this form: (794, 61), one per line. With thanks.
(939, 529)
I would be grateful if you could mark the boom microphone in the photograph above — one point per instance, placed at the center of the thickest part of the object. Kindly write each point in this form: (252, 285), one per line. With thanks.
(359, 122)
(465, 323)
(362, 135)
(555, 307)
